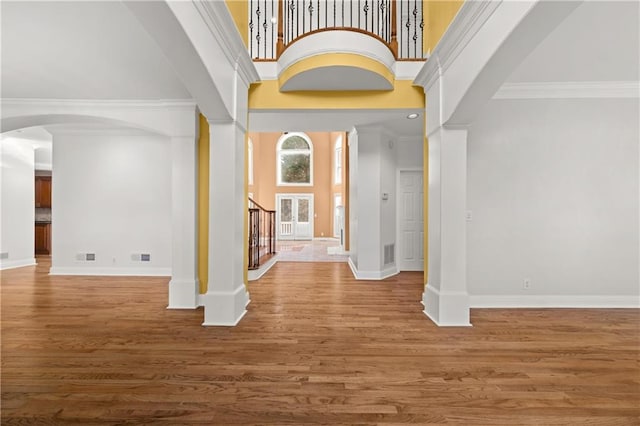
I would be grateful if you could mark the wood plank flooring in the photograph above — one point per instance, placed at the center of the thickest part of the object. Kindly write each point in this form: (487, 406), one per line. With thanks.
(316, 347)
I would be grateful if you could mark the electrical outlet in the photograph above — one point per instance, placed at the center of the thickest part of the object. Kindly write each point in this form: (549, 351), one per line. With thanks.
(469, 215)
(4, 255)
(526, 284)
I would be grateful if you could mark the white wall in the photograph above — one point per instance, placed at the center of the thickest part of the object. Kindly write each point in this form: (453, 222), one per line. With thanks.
(17, 213)
(353, 196)
(111, 197)
(553, 190)
(409, 153)
(388, 207)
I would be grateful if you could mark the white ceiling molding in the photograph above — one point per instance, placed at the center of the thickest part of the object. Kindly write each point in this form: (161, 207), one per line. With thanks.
(223, 28)
(467, 22)
(570, 90)
(99, 103)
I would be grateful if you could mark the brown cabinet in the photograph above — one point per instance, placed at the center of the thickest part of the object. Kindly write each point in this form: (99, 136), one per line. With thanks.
(43, 238)
(43, 191)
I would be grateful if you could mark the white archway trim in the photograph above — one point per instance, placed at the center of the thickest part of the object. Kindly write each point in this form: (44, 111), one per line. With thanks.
(168, 118)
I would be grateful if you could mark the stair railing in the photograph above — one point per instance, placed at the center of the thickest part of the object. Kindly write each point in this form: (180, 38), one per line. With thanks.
(275, 24)
(262, 233)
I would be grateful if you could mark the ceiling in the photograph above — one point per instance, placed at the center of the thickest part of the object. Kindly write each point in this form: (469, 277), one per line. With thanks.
(599, 41)
(394, 120)
(81, 50)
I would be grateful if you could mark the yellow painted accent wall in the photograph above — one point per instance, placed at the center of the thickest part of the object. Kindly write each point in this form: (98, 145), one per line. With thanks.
(438, 14)
(267, 95)
(240, 11)
(336, 59)
(203, 204)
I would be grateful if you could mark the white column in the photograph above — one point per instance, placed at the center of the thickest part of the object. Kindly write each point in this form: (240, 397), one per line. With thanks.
(445, 299)
(183, 287)
(227, 297)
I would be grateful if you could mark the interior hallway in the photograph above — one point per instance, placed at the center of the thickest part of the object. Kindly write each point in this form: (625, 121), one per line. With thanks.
(316, 250)
(316, 346)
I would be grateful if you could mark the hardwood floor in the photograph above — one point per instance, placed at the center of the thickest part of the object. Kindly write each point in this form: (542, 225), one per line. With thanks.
(315, 347)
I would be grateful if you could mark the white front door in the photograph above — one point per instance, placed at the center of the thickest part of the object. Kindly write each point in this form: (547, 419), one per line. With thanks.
(411, 221)
(294, 216)
(337, 215)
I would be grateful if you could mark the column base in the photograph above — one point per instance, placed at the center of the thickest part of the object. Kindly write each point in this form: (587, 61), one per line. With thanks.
(225, 308)
(446, 309)
(183, 294)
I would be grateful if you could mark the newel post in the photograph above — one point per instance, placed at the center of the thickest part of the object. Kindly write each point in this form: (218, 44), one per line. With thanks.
(394, 31)
(280, 43)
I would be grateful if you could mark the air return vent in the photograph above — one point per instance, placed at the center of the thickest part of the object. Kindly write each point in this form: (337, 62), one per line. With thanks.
(86, 257)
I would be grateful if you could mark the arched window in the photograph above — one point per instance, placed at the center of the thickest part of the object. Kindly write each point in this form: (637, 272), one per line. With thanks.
(295, 160)
(250, 162)
(337, 161)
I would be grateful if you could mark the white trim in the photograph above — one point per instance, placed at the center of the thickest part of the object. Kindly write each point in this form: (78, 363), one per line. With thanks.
(223, 29)
(256, 274)
(225, 308)
(99, 103)
(200, 300)
(450, 309)
(569, 90)
(464, 26)
(83, 270)
(554, 301)
(12, 264)
(372, 275)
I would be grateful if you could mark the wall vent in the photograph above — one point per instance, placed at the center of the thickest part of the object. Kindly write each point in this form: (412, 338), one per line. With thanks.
(389, 254)
(141, 257)
(86, 257)
(4, 255)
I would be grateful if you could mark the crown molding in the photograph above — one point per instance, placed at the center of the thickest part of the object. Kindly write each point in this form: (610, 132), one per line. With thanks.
(467, 22)
(570, 90)
(100, 103)
(220, 23)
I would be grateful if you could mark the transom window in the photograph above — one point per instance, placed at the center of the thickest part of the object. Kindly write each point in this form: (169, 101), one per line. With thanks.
(295, 159)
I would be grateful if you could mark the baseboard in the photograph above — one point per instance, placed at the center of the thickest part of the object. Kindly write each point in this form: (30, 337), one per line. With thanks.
(20, 263)
(554, 301)
(143, 272)
(446, 309)
(372, 275)
(256, 274)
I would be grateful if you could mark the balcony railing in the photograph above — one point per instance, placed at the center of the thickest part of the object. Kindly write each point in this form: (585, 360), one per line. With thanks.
(262, 233)
(275, 24)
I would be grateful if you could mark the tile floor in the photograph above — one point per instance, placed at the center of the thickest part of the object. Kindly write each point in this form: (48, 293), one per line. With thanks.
(317, 250)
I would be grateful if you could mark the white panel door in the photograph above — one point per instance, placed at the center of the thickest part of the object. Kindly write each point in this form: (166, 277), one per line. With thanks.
(294, 216)
(411, 221)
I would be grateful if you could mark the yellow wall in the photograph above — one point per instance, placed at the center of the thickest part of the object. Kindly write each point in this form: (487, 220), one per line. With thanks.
(240, 11)
(437, 17)
(264, 186)
(203, 204)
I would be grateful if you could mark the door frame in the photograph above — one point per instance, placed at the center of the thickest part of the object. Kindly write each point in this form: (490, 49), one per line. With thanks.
(399, 219)
(311, 212)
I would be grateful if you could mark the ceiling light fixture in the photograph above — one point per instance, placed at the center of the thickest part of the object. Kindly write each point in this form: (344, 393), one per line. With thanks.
(413, 115)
